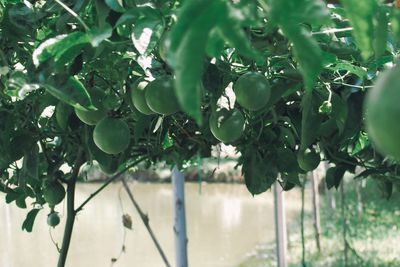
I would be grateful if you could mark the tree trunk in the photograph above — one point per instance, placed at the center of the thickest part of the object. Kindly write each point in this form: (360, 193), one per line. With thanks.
(316, 212)
(280, 225)
(178, 184)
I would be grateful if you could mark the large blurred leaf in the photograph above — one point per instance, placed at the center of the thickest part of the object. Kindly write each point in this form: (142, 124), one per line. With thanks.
(69, 90)
(259, 173)
(289, 15)
(188, 42)
(98, 35)
(381, 32)
(334, 176)
(361, 15)
(307, 53)
(62, 48)
(187, 58)
(232, 31)
(310, 121)
(147, 30)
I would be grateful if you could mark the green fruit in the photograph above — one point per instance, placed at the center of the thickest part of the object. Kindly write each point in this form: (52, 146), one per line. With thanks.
(227, 125)
(107, 163)
(160, 96)
(138, 97)
(54, 193)
(252, 91)
(92, 117)
(308, 160)
(112, 135)
(382, 113)
(163, 46)
(53, 219)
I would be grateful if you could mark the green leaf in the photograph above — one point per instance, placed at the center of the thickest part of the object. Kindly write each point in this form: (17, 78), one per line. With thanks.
(310, 121)
(259, 173)
(69, 90)
(307, 53)
(334, 176)
(361, 15)
(347, 66)
(381, 32)
(30, 167)
(27, 225)
(232, 31)
(62, 48)
(395, 24)
(98, 35)
(339, 111)
(147, 30)
(292, 12)
(63, 113)
(188, 64)
(289, 15)
(116, 5)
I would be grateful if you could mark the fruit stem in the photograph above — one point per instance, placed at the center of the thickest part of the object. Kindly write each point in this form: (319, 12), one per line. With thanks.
(69, 225)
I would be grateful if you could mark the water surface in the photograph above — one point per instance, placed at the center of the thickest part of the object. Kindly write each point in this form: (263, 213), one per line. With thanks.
(225, 223)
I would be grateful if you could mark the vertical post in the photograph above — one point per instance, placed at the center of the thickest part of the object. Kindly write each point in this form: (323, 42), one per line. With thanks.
(316, 213)
(178, 185)
(329, 192)
(280, 225)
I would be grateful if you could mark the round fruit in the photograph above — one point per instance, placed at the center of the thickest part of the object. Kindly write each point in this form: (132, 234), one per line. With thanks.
(54, 193)
(111, 135)
(160, 96)
(163, 47)
(308, 160)
(252, 91)
(227, 125)
(138, 97)
(53, 219)
(92, 117)
(382, 113)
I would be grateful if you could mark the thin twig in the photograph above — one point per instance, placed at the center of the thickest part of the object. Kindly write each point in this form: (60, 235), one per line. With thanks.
(145, 220)
(108, 181)
(73, 14)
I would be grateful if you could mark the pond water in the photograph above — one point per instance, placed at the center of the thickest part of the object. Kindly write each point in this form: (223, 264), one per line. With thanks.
(225, 223)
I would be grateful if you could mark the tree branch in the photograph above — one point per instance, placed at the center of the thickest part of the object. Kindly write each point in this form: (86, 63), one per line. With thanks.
(108, 181)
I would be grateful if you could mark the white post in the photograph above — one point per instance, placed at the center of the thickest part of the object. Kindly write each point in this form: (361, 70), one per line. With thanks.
(178, 184)
(280, 225)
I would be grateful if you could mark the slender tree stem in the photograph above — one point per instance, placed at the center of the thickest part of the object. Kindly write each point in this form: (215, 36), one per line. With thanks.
(344, 217)
(108, 181)
(75, 15)
(145, 220)
(69, 225)
(303, 243)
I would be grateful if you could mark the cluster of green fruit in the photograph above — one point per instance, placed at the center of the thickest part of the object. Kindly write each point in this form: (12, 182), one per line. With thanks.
(53, 194)
(111, 135)
(252, 91)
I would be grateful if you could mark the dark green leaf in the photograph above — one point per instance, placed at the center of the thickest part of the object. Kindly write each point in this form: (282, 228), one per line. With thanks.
(69, 90)
(334, 176)
(116, 5)
(381, 32)
(310, 121)
(62, 48)
(361, 15)
(98, 35)
(27, 225)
